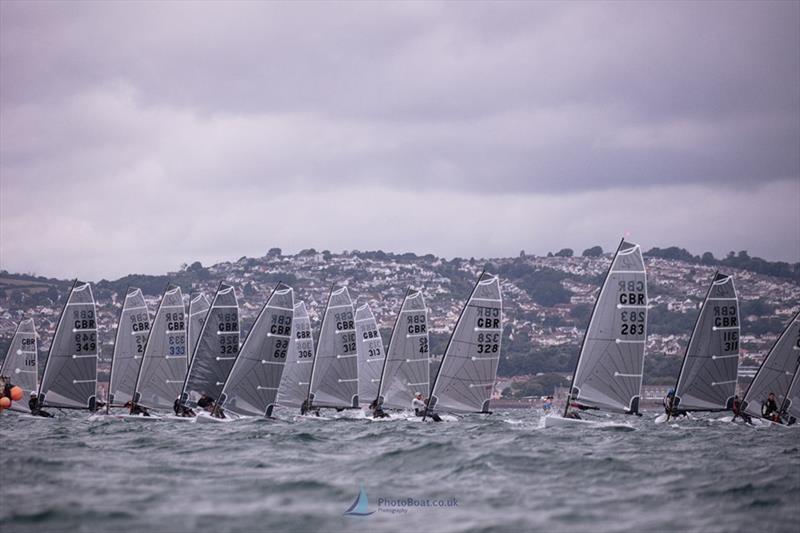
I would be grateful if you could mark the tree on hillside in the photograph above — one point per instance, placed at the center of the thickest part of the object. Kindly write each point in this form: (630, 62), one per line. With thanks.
(594, 251)
(565, 252)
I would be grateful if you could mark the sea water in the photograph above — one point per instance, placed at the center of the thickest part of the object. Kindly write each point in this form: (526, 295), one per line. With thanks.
(498, 472)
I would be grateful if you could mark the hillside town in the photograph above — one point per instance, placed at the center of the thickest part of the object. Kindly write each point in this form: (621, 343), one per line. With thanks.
(547, 303)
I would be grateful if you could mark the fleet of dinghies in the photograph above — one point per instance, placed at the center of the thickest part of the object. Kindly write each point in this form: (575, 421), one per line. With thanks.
(193, 366)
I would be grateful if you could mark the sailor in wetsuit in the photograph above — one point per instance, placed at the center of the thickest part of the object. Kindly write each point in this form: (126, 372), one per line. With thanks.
(669, 405)
(36, 409)
(136, 409)
(736, 407)
(181, 410)
(420, 406)
(207, 403)
(377, 409)
(769, 409)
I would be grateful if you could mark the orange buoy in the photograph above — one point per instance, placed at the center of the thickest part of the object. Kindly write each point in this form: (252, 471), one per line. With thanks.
(16, 393)
(5, 402)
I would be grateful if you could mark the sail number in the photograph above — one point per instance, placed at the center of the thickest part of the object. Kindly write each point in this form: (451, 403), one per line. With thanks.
(29, 346)
(488, 342)
(85, 342)
(176, 345)
(281, 345)
(348, 343)
(423, 345)
(730, 341)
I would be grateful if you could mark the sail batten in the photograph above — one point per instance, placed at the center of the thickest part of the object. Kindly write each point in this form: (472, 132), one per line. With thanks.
(21, 361)
(334, 377)
(608, 374)
(216, 350)
(70, 374)
(163, 366)
(466, 376)
(133, 329)
(707, 381)
(252, 386)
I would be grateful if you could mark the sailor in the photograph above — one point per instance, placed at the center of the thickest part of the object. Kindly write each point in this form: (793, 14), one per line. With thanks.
(182, 410)
(377, 409)
(137, 409)
(36, 410)
(736, 407)
(420, 406)
(547, 404)
(206, 402)
(669, 405)
(769, 409)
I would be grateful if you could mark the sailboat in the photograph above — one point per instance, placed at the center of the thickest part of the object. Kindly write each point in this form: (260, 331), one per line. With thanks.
(465, 379)
(371, 354)
(334, 374)
(776, 371)
(708, 376)
(70, 372)
(252, 386)
(406, 369)
(133, 329)
(216, 349)
(608, 374)
(198, 309)
(790, 409)
(296, 377)
(20, 365)
(163, 367)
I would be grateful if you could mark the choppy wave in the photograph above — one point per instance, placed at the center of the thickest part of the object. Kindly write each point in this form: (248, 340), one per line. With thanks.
(503, 471)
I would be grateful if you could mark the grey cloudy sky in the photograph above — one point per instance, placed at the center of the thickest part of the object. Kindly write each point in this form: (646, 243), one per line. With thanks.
(136, 136)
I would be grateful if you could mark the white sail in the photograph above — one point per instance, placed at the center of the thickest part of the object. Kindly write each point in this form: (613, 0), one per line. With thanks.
(20, 364)
(406, 370)
(216, 350)
(608, 374)
(252, 386)
(296, 377)
(707, 381)
(163, 367)
(465, 380)
(334, 378)
(132, 331)
(70, 372)
(371, 354)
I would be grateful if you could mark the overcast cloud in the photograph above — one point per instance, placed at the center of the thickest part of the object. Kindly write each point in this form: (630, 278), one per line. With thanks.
(137, 136)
